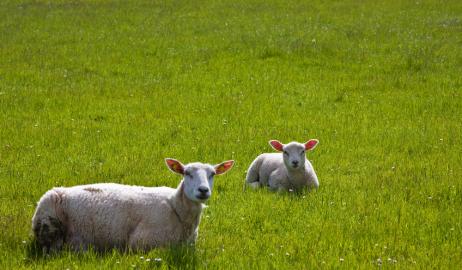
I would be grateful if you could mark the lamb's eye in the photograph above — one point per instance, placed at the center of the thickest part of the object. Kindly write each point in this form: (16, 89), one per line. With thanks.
(286, 153)
(186, 173)
(303, 152)
(211, 175)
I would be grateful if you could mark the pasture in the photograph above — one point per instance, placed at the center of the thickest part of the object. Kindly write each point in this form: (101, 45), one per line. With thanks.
(102, 91)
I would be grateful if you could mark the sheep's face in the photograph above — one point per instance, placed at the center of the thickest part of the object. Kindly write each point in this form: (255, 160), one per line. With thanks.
(198, 181)
(198, 177)
(293, 153)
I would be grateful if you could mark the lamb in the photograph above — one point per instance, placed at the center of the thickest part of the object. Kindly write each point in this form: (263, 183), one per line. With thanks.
(120, 216)
(289, 171)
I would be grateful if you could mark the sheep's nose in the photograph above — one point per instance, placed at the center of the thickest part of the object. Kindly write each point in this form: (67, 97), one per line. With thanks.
(295, 162)
(203, 190)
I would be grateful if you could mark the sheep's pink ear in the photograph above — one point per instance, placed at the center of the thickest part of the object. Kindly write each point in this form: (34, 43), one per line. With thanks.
(174, 165)
(224, 167)
(276, 145)
(311, 144)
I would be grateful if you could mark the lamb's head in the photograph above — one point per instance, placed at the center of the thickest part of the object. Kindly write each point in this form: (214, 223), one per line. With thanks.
(294, 153)
(198, 177)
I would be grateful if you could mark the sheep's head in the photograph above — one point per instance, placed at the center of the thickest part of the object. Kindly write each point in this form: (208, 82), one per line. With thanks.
(294, 153)
(198, 177)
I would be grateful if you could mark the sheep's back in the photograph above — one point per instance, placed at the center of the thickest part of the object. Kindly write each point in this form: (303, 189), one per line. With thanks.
(105, 214)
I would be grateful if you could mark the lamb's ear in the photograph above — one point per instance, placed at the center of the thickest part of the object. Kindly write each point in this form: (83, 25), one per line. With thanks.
(311, 144)
(224, 167)
(276, 145)
(174, 165)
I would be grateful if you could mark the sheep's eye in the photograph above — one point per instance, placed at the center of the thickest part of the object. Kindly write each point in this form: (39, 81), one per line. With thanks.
(211, 175)
(187, 174)
(286, 153)
(303, 152)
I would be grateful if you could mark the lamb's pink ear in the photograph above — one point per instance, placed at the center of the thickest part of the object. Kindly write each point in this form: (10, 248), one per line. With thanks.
(311, 144)
(174, 165)
(276, 145)
(224, 167)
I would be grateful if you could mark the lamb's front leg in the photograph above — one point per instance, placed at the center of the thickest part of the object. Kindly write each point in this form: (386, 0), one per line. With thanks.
(255, 185)
(278, 181)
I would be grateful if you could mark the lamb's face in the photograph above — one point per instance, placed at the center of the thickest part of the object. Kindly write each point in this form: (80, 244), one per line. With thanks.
(198, 181)
(294, 155)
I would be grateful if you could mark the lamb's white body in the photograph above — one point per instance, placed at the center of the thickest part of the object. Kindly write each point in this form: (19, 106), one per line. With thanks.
(269, 170)
(119, 216)
(276, 170)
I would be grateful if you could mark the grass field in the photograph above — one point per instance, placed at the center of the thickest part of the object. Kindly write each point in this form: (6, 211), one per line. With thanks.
(103, 91)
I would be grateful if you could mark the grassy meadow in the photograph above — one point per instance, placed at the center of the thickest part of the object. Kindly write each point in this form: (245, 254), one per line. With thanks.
(102, 91)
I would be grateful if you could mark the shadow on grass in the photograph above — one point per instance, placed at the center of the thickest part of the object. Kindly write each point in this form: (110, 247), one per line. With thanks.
(34, 253)
(182, 257)
(285, 193)
(177, 257)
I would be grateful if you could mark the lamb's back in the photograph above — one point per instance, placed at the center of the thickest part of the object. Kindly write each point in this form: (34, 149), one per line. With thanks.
(269, 163)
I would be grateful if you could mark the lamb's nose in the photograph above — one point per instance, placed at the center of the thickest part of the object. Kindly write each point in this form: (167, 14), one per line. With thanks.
(203, 189)
(295, 162)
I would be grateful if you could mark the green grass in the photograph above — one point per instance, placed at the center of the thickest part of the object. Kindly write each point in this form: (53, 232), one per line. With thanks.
(103, 91)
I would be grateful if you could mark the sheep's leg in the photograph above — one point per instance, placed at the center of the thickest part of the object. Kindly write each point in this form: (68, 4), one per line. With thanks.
(49, 234)
(278, 181)
(77, 244)
(139, 238)
(192, 239)
(252, 178)
(48, 228)
(255, 185)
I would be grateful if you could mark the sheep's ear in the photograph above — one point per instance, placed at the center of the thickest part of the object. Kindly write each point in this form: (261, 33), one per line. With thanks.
(224, 167)
(174, 165)
(276, 145)
(311, 144)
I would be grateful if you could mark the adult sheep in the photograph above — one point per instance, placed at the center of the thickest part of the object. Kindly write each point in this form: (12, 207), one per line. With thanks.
(287, 171)
(119, 216)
